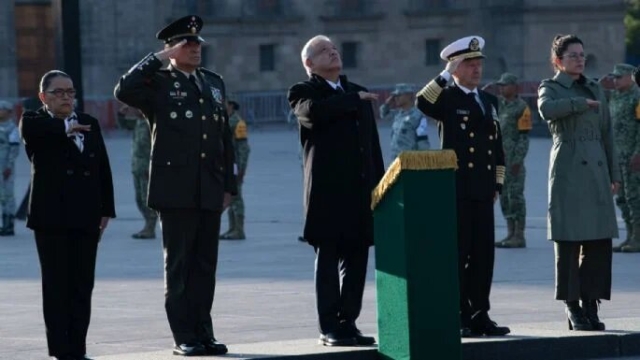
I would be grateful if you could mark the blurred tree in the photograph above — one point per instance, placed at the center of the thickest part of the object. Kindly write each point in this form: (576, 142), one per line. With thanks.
(632, 25)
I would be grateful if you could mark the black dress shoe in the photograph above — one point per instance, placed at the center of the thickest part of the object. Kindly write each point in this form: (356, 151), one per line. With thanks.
(465, 332)
(191, 349)
(352, 330)
(213, 347)
(481, 324)
(337, 338)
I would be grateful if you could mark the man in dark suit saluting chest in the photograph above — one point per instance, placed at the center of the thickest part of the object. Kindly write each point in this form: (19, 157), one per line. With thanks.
(342, 165)
(468, 123)
(192, 175)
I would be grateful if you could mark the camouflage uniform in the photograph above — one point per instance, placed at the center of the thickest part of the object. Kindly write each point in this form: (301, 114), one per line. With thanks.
(409, 127)
(140, 157)
(515, 122)
(242, 150)
(9, 148)
(625, 113)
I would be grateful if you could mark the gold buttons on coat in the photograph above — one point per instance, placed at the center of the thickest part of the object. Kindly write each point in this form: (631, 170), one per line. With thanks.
(201, 101)
(472, 150)
(490, 137)
(466, 118)
(470, 165)
(204, 117)
(489, 152)
(471, 134)
(488, 167)
(204, 136)
(203, 155)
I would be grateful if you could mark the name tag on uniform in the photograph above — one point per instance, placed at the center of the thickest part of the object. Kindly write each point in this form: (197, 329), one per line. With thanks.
(463, 112)
(178, 94)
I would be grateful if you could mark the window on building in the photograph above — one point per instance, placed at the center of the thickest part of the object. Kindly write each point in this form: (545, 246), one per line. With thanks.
(350, 54)
(432, 52)
(267, 57)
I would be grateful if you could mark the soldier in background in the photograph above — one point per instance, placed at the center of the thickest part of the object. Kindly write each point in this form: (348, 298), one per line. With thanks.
(9, 148)
(130, 118)
(515, 123)
(241, 148)
(625, 114)
(409, 126)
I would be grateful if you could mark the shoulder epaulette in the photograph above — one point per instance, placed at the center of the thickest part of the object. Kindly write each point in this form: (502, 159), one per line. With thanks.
(209, 72)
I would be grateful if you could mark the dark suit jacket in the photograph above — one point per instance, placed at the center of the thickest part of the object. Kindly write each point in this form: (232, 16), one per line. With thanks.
(342, 160)
(475, 136)
(192, 154)
(69, 188)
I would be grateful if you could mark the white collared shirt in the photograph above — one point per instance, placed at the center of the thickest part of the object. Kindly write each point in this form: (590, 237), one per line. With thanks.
(189, 74)
(335, 85)
(446, 75)
(78, 137)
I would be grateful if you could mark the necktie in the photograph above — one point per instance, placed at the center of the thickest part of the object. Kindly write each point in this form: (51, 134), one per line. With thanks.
(476, 98)
(77, 137)
(194, 81)
(339, 89)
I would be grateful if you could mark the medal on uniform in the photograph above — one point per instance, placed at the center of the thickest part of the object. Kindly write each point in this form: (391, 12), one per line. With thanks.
(188, 114)
(173, 115)
(215, 116)
(173, 75)
(463, 126)
(176, 85)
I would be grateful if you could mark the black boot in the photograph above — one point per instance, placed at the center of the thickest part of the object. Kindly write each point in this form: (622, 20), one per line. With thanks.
(590, 308)
(576, 318)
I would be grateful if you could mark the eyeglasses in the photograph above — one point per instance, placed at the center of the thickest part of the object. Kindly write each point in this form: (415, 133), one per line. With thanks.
(574, 56)
(59, 93)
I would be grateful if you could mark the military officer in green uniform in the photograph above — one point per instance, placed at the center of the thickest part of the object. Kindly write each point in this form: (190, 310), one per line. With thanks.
(132, 119)
(515, 123)
(241, 147)
(191, 177)
(624, 106)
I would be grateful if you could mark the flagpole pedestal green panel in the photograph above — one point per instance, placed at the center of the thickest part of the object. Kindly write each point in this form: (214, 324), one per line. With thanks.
(416, 253)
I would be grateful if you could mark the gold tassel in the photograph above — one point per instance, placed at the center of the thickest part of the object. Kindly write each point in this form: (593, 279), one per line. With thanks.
(413, 160)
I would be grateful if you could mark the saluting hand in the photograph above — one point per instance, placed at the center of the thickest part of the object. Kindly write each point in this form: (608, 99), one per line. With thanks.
(593, 104)
(453, 65)
(367, 95)
(170, 51)
(75, 127)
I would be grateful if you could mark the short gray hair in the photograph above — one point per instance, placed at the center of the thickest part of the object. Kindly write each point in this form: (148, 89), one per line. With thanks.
(307, 49)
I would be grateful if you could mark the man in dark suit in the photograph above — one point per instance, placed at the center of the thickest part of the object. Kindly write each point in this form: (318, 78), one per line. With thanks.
(342, 165)
(468, 123)
(192, 175)
(70, 206)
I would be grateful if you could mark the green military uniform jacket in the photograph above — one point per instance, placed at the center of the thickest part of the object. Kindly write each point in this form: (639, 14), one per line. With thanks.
(515, 123)
(191, 152)
(583, 163)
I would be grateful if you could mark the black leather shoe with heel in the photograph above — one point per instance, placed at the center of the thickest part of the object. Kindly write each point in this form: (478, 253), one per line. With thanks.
(590, 309)
(576, 318)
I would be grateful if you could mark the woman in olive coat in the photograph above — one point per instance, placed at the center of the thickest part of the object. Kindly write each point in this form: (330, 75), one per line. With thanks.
(583, 174)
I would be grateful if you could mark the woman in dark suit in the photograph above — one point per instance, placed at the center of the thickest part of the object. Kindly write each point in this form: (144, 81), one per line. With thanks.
(70, 205)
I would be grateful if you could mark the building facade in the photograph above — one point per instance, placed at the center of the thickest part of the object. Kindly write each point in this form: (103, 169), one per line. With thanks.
(255, 44)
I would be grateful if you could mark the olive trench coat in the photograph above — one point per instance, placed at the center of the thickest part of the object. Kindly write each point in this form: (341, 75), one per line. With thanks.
(583, 163)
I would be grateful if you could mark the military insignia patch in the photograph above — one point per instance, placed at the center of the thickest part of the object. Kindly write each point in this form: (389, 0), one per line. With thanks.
(188, 114)
(474, 45)
(176, 85)
(217, 94)
(173, 115)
